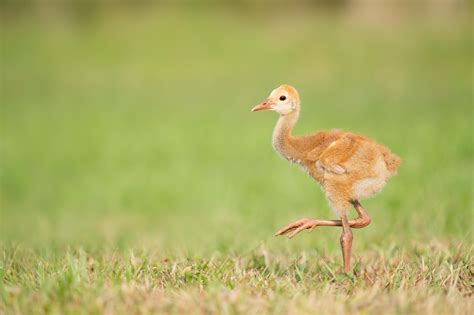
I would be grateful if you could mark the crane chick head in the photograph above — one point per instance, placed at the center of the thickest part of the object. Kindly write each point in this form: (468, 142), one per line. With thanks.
(283, 100)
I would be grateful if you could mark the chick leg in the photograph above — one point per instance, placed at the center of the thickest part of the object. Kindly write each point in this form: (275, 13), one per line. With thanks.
(361, 221)
(346, 242)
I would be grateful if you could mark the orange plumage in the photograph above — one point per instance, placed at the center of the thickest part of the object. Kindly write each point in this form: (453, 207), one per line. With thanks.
(348, 166)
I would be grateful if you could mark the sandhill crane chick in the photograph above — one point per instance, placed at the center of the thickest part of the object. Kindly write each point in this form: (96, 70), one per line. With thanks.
(348, 166)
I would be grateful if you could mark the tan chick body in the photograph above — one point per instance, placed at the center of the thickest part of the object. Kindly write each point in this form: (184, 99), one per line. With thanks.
(348, 166)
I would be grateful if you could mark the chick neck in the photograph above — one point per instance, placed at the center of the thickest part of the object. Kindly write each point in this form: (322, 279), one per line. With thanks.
(281, 139)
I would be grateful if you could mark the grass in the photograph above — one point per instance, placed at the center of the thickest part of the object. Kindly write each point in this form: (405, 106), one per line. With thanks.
(433, 278)
(135, 179)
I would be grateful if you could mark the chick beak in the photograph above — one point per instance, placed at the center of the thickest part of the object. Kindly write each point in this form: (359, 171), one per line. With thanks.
(266, 104)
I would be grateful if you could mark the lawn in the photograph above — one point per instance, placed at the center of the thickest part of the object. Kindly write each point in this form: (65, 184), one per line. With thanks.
(135, 179)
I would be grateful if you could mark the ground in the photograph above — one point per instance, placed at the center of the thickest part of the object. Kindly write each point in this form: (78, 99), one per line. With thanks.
(134, 177)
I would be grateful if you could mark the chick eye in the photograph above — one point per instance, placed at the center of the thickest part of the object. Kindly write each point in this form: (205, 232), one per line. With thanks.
(282, 98)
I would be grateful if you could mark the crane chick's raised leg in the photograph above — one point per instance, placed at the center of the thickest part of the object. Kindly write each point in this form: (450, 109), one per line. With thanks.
(361, 221)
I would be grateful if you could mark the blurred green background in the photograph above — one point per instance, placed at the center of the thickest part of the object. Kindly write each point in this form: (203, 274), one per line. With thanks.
(130, 125)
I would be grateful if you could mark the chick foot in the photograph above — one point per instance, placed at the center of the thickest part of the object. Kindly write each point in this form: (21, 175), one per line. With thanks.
(298, 226)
